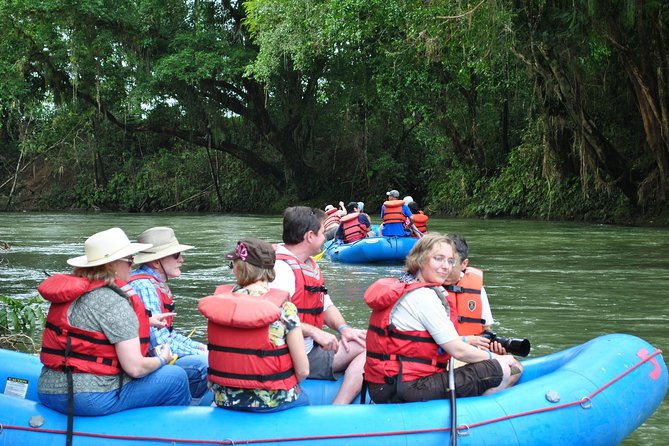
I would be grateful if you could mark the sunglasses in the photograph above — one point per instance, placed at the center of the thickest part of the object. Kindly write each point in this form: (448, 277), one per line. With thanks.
(129, 260)
(176, 256)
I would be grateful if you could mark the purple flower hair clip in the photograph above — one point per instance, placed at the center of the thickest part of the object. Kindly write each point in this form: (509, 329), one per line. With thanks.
(241, 251)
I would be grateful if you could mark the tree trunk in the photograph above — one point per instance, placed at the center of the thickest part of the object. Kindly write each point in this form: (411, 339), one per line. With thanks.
(646, 70)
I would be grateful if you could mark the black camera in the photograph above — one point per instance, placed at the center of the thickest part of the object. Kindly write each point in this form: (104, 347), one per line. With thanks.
(520, 347)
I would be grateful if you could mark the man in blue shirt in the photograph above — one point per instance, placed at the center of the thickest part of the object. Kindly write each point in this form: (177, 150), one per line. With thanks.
(158, 264)
(395, 215)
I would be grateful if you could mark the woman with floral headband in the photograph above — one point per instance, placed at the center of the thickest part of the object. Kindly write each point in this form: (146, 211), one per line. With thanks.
(256, 348)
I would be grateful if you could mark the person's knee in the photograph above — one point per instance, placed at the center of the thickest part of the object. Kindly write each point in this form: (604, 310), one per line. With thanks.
(512, 368)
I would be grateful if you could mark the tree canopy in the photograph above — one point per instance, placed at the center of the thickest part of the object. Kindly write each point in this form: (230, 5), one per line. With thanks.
(534, 109)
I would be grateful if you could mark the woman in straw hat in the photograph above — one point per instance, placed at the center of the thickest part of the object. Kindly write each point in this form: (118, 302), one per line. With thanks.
(158, 264)
(248, 318)
(96, 337)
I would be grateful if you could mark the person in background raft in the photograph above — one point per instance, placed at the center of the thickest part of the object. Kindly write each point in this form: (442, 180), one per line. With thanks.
(395, 214)
(361, 209)
(416, 320)
(254, 332)
(419, 219)
(354, 225)
(333, 217)
(297, 273)
(157, 265)
(101, 319)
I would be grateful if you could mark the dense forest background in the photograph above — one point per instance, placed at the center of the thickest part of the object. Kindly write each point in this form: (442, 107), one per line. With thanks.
(539, 109)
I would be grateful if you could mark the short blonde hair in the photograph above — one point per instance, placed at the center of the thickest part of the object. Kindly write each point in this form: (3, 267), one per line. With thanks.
(248, 274)
(422, 249)
(104, 272)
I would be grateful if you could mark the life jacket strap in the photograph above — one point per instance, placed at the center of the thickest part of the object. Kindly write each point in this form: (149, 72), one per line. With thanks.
(249, 351)
(252, 377)
(458, 289)
(316, 289)
(82, 336)
(65, 354)
(317, 310)
(400, 358)
(391, 333)
(472, 320)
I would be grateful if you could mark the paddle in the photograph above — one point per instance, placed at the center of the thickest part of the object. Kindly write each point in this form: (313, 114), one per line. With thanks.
(415, 230)
(454, 410)
(319, 256)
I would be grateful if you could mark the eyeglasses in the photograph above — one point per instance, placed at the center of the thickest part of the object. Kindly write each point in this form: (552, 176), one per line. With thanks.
(441, 259)
(176, 256)
(129, 260)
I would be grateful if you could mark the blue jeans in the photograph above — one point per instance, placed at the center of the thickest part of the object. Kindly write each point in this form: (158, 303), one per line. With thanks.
(167, 386)
(195, 367)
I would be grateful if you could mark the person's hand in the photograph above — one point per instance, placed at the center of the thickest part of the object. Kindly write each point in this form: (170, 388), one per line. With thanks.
(165, 352)
(349, 334)
(496, 347)
(204, 348)
(479, 342)
(326, 340)
(158, 320)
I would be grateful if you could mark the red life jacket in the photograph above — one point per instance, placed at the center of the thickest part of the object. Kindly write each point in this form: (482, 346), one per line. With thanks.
(332, 219)
(164, 293)
(353, 229)
(309, 289)
(392, 212)
(241, 353)
(420, 221)
(467, 294)
(85, 351)
(390, 352)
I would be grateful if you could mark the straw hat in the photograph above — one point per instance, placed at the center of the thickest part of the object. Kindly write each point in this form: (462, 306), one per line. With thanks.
(162, 243)
(105, 247)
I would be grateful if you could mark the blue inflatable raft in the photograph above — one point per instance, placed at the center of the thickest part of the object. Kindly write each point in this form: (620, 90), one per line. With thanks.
(596, 393)
(371, 250)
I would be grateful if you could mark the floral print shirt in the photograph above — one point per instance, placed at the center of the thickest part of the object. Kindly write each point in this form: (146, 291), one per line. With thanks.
(262, 398)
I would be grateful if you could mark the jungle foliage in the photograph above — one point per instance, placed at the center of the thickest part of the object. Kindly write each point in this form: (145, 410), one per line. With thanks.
(554, 110)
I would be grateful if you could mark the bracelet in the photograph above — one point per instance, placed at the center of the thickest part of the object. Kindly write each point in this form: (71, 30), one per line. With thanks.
(162, 363)
(342, 326)
(464, 339)
(490, 353)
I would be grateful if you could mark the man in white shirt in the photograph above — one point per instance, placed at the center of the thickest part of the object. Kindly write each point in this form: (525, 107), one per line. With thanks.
(299, 275)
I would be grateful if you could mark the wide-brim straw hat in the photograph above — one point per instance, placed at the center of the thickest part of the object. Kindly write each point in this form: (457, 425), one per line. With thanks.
(105, 247)
(164, 243)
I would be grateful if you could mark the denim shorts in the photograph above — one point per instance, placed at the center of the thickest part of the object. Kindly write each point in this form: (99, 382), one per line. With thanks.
(320, 364)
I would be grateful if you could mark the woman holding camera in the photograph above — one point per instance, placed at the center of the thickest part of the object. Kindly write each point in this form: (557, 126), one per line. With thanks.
(412, 335)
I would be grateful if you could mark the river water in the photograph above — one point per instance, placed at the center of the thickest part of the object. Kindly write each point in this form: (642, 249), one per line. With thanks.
(558, 284)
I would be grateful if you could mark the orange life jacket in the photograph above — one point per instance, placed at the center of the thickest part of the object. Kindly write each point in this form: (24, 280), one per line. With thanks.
(392, 212)
(420, 221)
(241, 353)
(164, 293)
(310, 289)
(353, 229)
(84, 351)
(467, 294)
(332, 219)
(390, 352)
